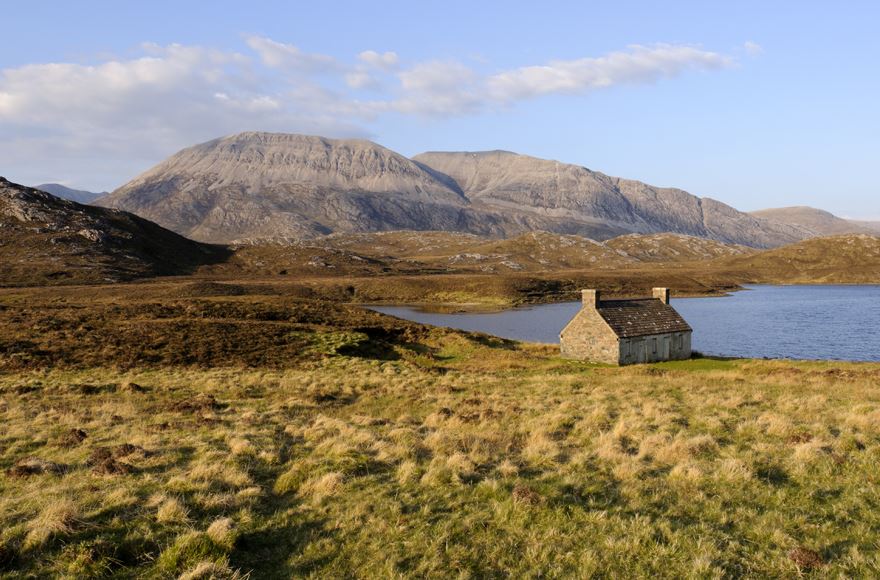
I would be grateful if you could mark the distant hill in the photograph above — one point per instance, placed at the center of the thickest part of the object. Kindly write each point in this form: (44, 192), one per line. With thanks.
(64, 192)
(48, 240)
(853, 258)
(279, 186)
(671, 248)
(872, 226)
(848, 258)
(405, 244)
(409, 251)
(820, 222)
(536, 251)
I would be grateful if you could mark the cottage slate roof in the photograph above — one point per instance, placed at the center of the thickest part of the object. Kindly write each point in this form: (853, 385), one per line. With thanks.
(628, 318)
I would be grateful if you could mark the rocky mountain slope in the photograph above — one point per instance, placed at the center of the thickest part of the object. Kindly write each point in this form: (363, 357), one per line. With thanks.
(820, 222)
(268, 185)
(45, 239)
(264, 185)
(64, 192)
(576, 195)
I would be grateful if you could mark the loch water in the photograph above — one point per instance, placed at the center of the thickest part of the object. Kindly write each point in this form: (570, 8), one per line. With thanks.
(796, 322)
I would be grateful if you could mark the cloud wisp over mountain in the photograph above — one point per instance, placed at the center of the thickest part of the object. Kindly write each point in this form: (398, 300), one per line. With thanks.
(126, 112)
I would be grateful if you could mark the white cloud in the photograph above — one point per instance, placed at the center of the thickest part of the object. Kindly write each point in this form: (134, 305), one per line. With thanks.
(385, 61)
(753, 48)
(361, 79)
(279, 55)
(436, 76)
(439, 88)
(97, 125)
(367, 75)
(638, 65)
(447, 88)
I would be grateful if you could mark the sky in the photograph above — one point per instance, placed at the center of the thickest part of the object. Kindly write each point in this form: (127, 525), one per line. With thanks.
(756, 104)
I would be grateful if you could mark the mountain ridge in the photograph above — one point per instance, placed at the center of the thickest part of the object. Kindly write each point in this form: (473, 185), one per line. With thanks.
(64, 192)
(501, 177)
(819, 221)
(257, 185)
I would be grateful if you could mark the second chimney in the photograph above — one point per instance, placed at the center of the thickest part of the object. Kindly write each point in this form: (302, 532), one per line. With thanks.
(590, 298)
(662, 294)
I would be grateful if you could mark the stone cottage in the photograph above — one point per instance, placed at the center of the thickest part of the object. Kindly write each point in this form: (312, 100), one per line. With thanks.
(626, 331)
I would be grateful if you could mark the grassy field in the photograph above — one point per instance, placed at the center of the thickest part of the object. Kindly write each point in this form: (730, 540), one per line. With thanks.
(300, 438)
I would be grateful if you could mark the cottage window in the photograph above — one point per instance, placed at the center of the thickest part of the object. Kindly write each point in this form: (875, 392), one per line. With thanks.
(654, 345)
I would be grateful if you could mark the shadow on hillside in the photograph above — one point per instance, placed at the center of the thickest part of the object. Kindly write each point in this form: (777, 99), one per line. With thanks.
(492, 341)
(384, 344)
(207, 255)
(371, 349)
(697, 355)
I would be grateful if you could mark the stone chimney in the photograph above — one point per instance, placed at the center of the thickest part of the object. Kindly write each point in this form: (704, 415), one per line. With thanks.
(590, 298)
(662, 294)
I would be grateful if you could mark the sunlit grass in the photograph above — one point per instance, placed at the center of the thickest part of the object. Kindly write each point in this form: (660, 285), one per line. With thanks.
(472, 457)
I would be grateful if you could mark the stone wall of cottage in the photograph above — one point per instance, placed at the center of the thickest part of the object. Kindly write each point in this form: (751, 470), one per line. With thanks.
(588, 337)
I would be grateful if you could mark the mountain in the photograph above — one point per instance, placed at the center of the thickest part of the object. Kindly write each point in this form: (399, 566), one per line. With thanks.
(45, 239)
(275, 186)
(265, 185)
(872, 226)
(575, 194)
(64, 192)
(820, 222)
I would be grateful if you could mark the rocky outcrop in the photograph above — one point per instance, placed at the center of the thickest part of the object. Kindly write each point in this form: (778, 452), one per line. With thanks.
(674, 248)
(44, 239)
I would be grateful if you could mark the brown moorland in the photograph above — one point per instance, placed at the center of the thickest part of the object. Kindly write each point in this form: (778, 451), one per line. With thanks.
(247, 417)
(197, 429)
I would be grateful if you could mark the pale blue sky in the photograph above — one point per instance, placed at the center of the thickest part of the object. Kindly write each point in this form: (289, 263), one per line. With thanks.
(757, 104)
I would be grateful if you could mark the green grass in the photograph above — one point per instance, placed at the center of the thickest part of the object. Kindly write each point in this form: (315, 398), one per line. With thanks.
(472, 458)
(286, 437)
(701, 363)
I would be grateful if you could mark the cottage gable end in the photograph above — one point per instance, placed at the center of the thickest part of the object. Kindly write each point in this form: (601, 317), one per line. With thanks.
(587, 317)
(587, 336)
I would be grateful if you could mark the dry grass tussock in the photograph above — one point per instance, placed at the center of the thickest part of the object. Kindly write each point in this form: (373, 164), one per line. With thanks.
(463, 457)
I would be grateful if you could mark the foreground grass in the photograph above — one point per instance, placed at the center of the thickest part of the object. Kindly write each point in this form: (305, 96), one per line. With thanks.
(468, 457)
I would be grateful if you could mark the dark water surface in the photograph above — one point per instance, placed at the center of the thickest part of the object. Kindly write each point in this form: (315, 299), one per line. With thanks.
(799, 322)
